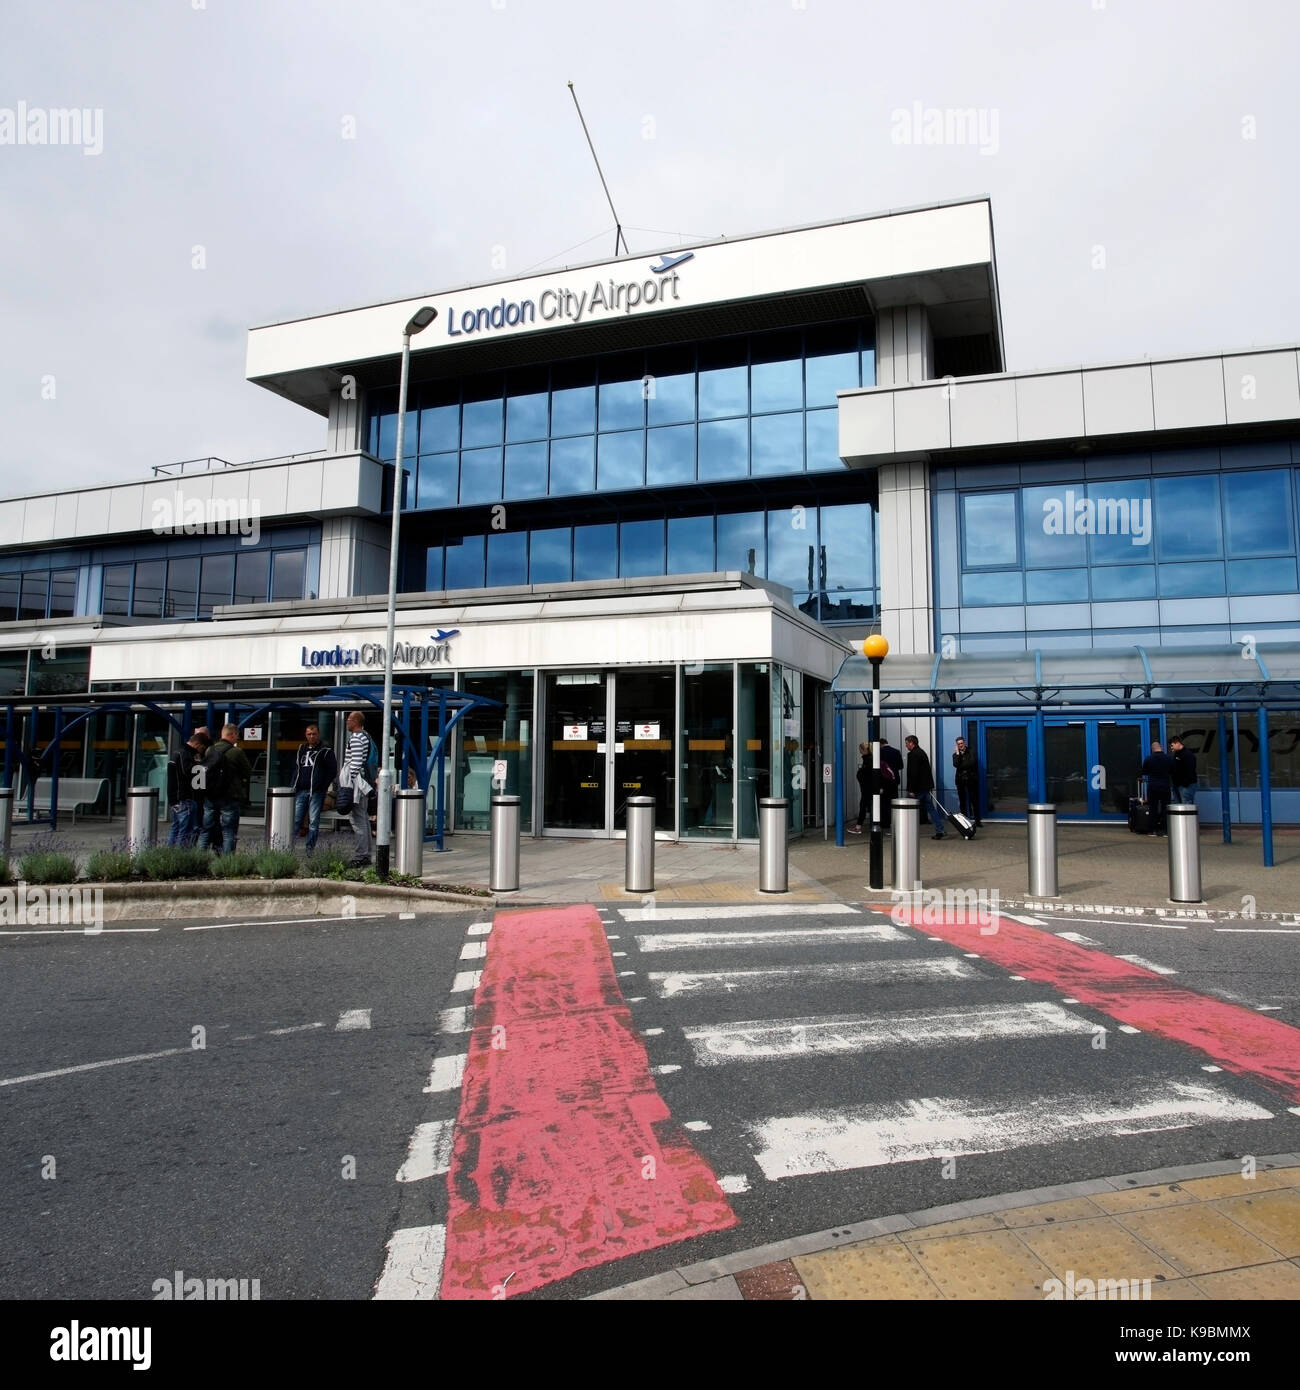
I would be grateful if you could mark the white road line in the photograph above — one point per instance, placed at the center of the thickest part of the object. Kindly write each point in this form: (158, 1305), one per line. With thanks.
(480, 928)
(447, 1073)
(466, 981)
(1128, 1028)
(1210, 1068)
(1069, 1001)
(297, 1028)
(429, 1152)
(666, 1069)
(717, 914)
(867, 1136)
(1293, 1110)
(636, 999)
(1267, 1008)
(94, 1066)
(734, 1182)
(1239, 931)
(669, 984)
(352, 1018)
(699, 1126)
(454, 1020)
(413, 1270)
(618, 953)
(763, 1039)
(285, 922)
(651, 1032)
(473, 950)
(1028, 921)
(1148, 965)
(799, 936)
(1078, 938)
(79, 931)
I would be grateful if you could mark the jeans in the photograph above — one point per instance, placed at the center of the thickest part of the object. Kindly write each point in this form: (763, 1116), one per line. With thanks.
(308, 804)
(1158, 798)
(185, 823)
(928, 808)
(359, 820)
(968, 799)
(227, 813)
(1185, 794)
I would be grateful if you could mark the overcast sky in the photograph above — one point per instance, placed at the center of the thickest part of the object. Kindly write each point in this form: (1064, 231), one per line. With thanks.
(1163, 131)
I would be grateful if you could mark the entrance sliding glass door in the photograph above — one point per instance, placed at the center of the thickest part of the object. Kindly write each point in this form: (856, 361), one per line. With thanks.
(576, 774)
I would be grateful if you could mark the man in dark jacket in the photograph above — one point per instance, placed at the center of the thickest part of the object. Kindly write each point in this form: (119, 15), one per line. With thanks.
(1158, 770)
(227, 774)
(316, 767)
(891, 780)
(182, 791)
(966, 774)
(1183, 777)
(920, 783)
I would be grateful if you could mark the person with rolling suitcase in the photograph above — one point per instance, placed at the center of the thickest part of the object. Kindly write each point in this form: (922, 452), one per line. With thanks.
(1139, 811)
(963, 824)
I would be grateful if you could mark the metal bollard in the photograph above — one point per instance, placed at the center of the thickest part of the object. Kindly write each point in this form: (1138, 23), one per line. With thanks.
(141, 817)
(408, 832)
(503, 848)
(1184, 853)
(639, 852)
(279, 817)
(906, 822)
(1041, 823)
(773, 844)
(6, 819)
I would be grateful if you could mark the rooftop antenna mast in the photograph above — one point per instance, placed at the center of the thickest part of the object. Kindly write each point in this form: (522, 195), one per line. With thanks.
(618, 226)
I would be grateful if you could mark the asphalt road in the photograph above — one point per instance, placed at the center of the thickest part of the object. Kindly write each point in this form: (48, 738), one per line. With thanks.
(227, 1161)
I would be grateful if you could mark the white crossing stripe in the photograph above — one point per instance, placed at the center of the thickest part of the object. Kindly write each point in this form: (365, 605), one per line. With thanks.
(667, 1069)
(466, 981)
(867, 1136)
(1028, 921)
(1128, 1028)
(715, 914)
(352, 1018)
(429, 1152)
(798, 936)
(480, 928)
(668, 984)
(447, 1073)
(413, 1270)
(821, 1036)
(734, 1182)
(1149, 965)
(454, 1020)
(698, 1125)
(473, 950)
(1078, 938)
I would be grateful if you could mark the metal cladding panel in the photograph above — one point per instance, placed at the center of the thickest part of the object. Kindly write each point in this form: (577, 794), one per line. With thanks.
(1188, 394)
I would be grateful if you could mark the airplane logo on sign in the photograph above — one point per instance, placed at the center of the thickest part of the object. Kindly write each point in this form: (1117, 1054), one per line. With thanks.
(445, 634)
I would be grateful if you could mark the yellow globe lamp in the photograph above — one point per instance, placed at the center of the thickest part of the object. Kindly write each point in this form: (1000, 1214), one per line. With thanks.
(875, 647)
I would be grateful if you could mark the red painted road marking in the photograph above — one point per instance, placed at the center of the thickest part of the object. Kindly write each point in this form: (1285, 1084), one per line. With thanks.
(566, 1156)
(1237, 1038)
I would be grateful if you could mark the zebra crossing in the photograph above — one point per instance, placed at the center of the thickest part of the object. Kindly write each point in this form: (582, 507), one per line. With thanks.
(797, 1046)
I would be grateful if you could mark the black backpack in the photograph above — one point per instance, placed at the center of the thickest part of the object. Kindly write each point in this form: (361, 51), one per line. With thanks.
(217, 782)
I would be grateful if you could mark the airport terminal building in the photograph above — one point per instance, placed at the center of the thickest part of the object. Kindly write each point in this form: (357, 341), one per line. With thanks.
(650, 508)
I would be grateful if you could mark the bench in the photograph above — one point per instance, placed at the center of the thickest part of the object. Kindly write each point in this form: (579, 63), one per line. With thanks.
(75, 793)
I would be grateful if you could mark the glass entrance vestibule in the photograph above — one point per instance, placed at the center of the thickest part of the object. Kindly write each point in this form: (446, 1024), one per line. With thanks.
(706, 740)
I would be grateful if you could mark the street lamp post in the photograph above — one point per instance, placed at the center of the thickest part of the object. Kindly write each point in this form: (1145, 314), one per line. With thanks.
(875, 649)
(420, 320)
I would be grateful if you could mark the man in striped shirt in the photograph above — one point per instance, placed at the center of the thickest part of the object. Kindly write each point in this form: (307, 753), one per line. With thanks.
(355, 759)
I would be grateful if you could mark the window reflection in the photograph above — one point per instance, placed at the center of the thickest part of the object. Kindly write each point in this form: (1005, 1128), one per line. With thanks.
(1187, 518)
(525, 470)
(464, 562)
(670, 386)
(1049, 537)
(573, 465)
(620, 463)
(740, 542)
(724, 384)
(989, 528)
(480, 475)
(550, 559)
(690, 545)
(507, 558)
(724, 450)
(1257, 509)
(671, 455)
(573, 398)
(822, 428)
(641, 548)
(1124, 513)
(776, 373)
(527, 403)
(436, 479)
(621, 399)
(483, 413)
(847, 535)
(792, 547)
(595, 551)
(778, 443)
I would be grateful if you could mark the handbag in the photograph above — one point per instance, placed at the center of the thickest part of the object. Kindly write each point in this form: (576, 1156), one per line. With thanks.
(343, 798)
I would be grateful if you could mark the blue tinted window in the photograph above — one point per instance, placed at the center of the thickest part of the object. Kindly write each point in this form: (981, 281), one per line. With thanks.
(437, 480)
(1123, 521)
(641, 548)
(527, 406)
(671, 456)
(690, 545)
(288, 569)
(989, 529)
(1051, 535)
(550, 559)
(823, 440)
(792, 547)
(670, 386)
(507, 558)
(740, 542)
(595, 551)
(464, 563)
(620, 462)
(724, 379)
(525, 470)
(988, 589)
(573, 465)
(483, 413)
(1187, 519)
(1191, 581)
(776, 373)
(480, 475)
(1123, 582)
(573, 399)
(433, 567)
(252, 575)
(387, 446)
(868, 366)
(724, 450)
(621, 399)
(778, 443)
(1056, 586)
(1257, 507)
(147, 602)
(847, 539)
(439, 419)
(832, 364)
(1275, 576)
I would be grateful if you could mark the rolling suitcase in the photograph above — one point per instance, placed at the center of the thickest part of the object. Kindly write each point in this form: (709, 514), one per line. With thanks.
(1139, 811)
(962, 824)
